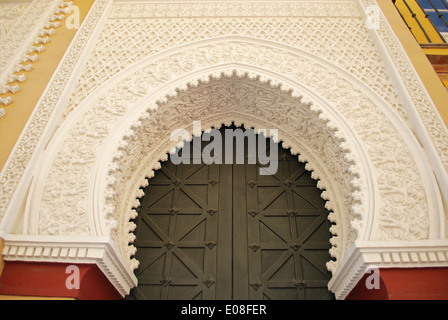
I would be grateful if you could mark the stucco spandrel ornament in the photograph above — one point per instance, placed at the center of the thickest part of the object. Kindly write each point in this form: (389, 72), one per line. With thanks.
(354, 11)
(147, 32)
(28, 143)
(324, 82)
(217, 98)
(68, 191)
(222, 96)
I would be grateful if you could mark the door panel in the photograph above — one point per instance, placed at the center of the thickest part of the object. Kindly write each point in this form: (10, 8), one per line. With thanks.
(223, 231)
(240, 238)
(177, 233)
(288, 233)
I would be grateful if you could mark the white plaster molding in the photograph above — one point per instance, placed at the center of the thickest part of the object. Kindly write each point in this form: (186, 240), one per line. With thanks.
(24, 37)
(16, 174)
(78, 132)
(206, 9)
(9, 11)
(109, 166)
(425, 120)
(2, 112)
(74, 250)
(404, 207)
(12, 181)
(312, 29)
(390, 254)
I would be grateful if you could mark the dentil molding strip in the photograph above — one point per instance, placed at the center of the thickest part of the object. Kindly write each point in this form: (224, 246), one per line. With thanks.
(364, 255)
(72, 249)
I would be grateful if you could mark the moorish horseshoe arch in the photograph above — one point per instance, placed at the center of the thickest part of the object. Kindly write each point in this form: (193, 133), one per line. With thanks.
(113, 118)
(109, 178)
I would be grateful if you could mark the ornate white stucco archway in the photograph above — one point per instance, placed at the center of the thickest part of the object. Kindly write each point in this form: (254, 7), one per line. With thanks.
(317, 134)
(376, 179)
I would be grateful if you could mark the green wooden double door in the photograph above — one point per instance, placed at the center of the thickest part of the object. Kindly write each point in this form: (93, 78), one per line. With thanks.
(223, 231)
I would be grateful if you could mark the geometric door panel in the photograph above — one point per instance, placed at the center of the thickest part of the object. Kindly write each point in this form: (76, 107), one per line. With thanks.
(176, 237)
(288, 233)
(223, 231)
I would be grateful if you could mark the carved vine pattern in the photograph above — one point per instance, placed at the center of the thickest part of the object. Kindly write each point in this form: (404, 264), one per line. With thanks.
(386, 149)
(382, 142)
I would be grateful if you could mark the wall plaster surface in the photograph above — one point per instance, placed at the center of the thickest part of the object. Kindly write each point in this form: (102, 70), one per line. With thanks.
(344, 98)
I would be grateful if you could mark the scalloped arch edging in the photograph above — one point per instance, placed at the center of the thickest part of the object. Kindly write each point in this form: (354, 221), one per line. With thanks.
(352, 140)
(127, 168)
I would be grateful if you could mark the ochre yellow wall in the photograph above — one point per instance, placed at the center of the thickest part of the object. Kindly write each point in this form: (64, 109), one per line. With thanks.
(429, 77)
(18, 112)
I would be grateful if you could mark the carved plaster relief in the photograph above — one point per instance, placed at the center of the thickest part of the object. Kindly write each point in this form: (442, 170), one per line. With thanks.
(24, 29)
(9, 12)
(333, 31)
(23, 152)
(232, 98)
(378, 129)
(310, 69)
